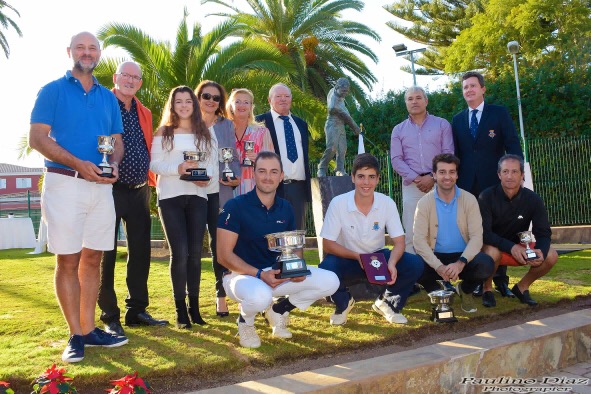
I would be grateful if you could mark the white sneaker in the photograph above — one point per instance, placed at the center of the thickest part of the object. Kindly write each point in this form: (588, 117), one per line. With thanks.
(381, 307)
(248, 336)
(278, 322)
(338, 319)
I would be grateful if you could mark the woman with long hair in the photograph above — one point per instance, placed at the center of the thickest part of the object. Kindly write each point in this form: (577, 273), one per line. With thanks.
(182, 204)
(240, 110)
(212, 102)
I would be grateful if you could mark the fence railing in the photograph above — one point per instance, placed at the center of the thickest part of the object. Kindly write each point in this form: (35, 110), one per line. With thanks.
(561, 170)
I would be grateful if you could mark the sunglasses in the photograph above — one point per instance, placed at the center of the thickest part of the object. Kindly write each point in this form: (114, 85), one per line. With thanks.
(207, 96)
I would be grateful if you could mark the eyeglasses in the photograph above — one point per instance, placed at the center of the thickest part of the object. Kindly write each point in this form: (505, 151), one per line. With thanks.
(207, 96)
(128, 76)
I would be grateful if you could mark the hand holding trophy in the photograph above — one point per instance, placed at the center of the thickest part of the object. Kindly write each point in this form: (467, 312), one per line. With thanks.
(525, 237)
(248, 147)
(195, 174)
(106, 146)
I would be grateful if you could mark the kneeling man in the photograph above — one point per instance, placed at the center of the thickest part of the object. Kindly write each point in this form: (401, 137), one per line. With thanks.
(243, 249)
(448, 233)
(508, 209)
(355, 223)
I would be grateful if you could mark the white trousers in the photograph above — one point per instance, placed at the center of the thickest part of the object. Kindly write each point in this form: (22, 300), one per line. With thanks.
(410, 198)
(255, 296)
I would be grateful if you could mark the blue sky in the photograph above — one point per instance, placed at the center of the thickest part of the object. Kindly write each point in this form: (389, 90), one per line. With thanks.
(40, 55)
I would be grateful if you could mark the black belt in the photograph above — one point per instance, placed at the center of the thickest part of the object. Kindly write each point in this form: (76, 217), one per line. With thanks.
(130, 187)
(426, 173)
(288, 181)
(64, 171)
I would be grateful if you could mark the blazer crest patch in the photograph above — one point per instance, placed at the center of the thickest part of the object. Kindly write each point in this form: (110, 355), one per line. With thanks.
(491, 134)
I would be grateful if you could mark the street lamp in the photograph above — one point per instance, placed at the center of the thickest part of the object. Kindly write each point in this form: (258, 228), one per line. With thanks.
(402, 50)
(513, 48)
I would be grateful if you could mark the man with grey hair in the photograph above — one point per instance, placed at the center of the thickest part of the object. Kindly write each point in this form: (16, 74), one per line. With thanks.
(414, 144)
(334, 129)
(131, 194)
(290, 139)
(77, 200)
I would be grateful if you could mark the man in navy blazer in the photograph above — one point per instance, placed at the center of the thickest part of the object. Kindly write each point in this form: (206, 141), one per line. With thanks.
(481, 138)
(495, 136)
(296, 168)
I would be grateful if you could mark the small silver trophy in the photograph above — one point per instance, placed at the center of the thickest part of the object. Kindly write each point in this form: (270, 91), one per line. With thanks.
(248, 147)
(106, 146)
(195, 174)
(525, 237)
(226, 157)
(441, 311)
(288, 262)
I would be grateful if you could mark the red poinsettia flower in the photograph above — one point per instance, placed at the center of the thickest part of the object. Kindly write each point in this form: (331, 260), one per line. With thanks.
(5, 388)
(54, 381)
(129, 384)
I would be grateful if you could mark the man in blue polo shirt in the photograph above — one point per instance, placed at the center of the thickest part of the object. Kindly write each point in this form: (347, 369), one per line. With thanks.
(243, 249)
(76, 201)
(448, 234)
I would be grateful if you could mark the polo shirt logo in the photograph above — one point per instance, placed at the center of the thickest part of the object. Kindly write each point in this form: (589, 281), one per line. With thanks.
(519, 217)
(280, 221)
(227, 218)
(376, 226)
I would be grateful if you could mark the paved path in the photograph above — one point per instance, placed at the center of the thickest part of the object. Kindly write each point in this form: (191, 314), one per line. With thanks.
(575, 379)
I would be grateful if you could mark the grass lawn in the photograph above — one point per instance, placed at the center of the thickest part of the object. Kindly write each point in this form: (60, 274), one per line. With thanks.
(33, 332)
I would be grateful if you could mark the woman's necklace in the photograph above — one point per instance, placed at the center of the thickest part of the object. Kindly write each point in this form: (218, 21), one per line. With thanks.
(243, 134)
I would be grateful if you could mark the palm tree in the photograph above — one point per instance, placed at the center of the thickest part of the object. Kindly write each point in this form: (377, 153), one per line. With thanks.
(6, 22)
(320, 45)
(197, 56)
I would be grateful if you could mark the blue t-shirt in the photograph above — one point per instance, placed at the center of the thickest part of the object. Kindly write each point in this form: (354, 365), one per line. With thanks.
(248, 217)
(77, 117)
(449, 238)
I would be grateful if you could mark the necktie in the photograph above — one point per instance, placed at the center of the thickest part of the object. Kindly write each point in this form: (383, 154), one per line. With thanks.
(292, 151)
(474, 124)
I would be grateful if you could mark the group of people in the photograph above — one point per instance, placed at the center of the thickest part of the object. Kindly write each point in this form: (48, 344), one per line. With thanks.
(83, 208)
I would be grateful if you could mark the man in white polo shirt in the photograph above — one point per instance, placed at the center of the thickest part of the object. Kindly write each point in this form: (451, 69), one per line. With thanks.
(355, 224)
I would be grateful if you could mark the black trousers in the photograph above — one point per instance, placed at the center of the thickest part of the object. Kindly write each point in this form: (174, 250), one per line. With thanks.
(295, 193)
(476, 271)
(132, 206)
(183, 219)
(213, 211)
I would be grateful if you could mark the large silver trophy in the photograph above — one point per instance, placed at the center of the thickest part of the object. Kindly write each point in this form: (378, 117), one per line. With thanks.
(195, 174)
(248, 147)
(288, 263)
(106, 146)
(226, 157)
(441, 311)
(525, 237)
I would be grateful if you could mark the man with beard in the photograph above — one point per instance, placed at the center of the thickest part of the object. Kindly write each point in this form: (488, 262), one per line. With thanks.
(77, 201)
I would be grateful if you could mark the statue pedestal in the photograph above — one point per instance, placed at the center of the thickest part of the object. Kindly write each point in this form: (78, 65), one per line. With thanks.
(323, 191)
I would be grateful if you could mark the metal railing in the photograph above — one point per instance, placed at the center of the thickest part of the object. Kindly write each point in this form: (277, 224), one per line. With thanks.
(561, 170)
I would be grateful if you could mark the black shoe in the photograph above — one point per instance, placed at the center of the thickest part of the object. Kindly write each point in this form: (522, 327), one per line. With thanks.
(477, 291)
(488, 299)
(504, 290)
(524, 297)
(115, 328)
(143, 319)
(194, 313)
(221, 313)
(182, 316)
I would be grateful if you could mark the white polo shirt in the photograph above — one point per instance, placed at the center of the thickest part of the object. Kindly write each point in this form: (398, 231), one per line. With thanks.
(347, 226)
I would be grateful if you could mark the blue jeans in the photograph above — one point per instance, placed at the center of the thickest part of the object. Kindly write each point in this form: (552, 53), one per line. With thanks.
(183, 220)
(349, 272)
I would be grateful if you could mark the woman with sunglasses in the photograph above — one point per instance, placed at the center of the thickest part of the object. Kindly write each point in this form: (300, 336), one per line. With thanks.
(182, 205)
(240, 110)
(212, 102)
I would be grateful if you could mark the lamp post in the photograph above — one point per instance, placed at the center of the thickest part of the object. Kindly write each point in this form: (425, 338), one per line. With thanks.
(513, 48)
(402, 50)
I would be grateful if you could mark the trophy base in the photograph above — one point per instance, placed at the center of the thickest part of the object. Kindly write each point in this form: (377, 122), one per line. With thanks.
(530, 255)
(443, 316)
(107, 171)
(199, 174)
(291, 268)
(247, 163)
(226, 175)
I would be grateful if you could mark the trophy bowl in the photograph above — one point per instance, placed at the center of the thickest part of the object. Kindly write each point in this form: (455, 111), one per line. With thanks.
(441, 309)
(195, 174)
(248, 147)
(106, 146)
(288, 263)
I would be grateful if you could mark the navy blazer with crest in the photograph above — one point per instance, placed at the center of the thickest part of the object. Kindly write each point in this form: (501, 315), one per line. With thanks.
(267, 117)
(479, 157)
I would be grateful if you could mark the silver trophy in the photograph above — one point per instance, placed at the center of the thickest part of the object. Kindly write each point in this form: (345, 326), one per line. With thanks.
(441, 311)
(525, 237)
(106, 146)
(288, 262)
(195, 174)
(226, 157)
(248, 147)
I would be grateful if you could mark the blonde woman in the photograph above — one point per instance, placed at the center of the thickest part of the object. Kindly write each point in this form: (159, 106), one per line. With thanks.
(240, 110)
(182, 205)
